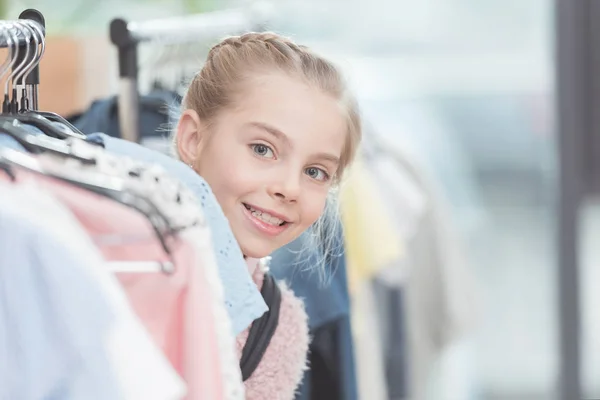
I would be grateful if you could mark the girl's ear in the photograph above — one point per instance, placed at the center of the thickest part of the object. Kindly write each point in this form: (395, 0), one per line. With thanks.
(189, 136)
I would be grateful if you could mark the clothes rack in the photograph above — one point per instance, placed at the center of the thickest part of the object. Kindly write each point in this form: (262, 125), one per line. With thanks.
(126, 35)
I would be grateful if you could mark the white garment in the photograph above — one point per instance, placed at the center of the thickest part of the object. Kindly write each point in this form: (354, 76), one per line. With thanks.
(440, 290)
(370, 364)
(229, 362)
(66, 329)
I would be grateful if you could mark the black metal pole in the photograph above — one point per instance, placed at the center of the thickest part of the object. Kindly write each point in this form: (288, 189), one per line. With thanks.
(34, 76)
(574, 99)
(128, 103)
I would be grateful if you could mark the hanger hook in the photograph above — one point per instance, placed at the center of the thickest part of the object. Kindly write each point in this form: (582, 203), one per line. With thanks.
(4, 31)
(14, 55)
(39, 39)
(27, 33)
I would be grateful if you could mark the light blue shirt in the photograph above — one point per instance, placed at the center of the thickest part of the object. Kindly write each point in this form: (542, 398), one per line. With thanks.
(53, 319)
(243, 300)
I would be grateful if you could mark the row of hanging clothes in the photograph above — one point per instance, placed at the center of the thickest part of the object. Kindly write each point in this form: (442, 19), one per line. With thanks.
(396, 296)
(412, 292)
(112, 275)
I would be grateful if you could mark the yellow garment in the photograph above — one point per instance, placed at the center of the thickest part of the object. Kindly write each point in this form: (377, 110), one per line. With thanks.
(371, 240)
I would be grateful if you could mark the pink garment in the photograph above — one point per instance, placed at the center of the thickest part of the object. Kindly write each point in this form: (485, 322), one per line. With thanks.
(175, 308)
(280, 371)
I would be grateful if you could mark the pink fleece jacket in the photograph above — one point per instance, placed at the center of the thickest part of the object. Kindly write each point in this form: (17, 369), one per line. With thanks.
(280, 371)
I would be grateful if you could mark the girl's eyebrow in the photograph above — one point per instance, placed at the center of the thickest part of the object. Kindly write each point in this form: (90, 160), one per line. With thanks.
(328, 157)
(272, 130)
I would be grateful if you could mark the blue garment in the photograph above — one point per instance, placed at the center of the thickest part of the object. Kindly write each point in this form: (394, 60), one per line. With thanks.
(8, 142)
(242, 298)
(323, 302)
(154, 115)
(54, 321)
(332, 374)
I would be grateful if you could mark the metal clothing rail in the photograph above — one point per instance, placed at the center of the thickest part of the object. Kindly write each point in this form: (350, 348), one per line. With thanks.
(30, 14)
(127, 35)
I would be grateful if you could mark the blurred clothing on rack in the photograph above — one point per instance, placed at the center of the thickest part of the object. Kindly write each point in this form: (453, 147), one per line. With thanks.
(188, 322)
(418, 129)
(391, 317)
(67, 328)
(155, 111)
(368, 346)
(371, 240)
(373, 244)
(438, 289)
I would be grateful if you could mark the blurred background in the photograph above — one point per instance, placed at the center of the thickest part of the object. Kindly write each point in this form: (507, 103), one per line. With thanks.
(466, 88)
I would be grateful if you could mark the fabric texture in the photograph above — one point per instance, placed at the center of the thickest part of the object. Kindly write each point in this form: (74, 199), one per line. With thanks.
(281, 368)
(242, 299)
(71, 332)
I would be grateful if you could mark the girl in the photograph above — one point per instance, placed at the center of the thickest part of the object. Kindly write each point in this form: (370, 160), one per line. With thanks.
(271, 127)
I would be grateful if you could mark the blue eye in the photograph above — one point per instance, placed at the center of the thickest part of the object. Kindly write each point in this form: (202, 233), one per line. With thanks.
(262, 150)
(317, 174)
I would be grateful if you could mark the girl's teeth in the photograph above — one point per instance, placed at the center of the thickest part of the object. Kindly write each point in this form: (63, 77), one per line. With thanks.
(266, 217)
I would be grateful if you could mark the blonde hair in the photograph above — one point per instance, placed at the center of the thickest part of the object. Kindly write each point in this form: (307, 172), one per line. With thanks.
(234, 60)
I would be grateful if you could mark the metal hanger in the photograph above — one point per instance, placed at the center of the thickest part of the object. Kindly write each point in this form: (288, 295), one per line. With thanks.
(38, 38)
(13, 40)
(18, 72)
(27, 33)
(41, 120)
(6, 64)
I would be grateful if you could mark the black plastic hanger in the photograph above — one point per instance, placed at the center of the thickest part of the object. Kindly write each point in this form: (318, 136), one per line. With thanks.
(13, 127)
(58, 118)
(7, 168)
(44, 124)
(24, 138)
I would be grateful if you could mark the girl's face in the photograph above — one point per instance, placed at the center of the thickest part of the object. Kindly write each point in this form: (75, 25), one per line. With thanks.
(270, 161)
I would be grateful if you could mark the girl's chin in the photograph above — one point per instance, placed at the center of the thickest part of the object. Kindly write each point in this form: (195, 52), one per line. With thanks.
(255, 250)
